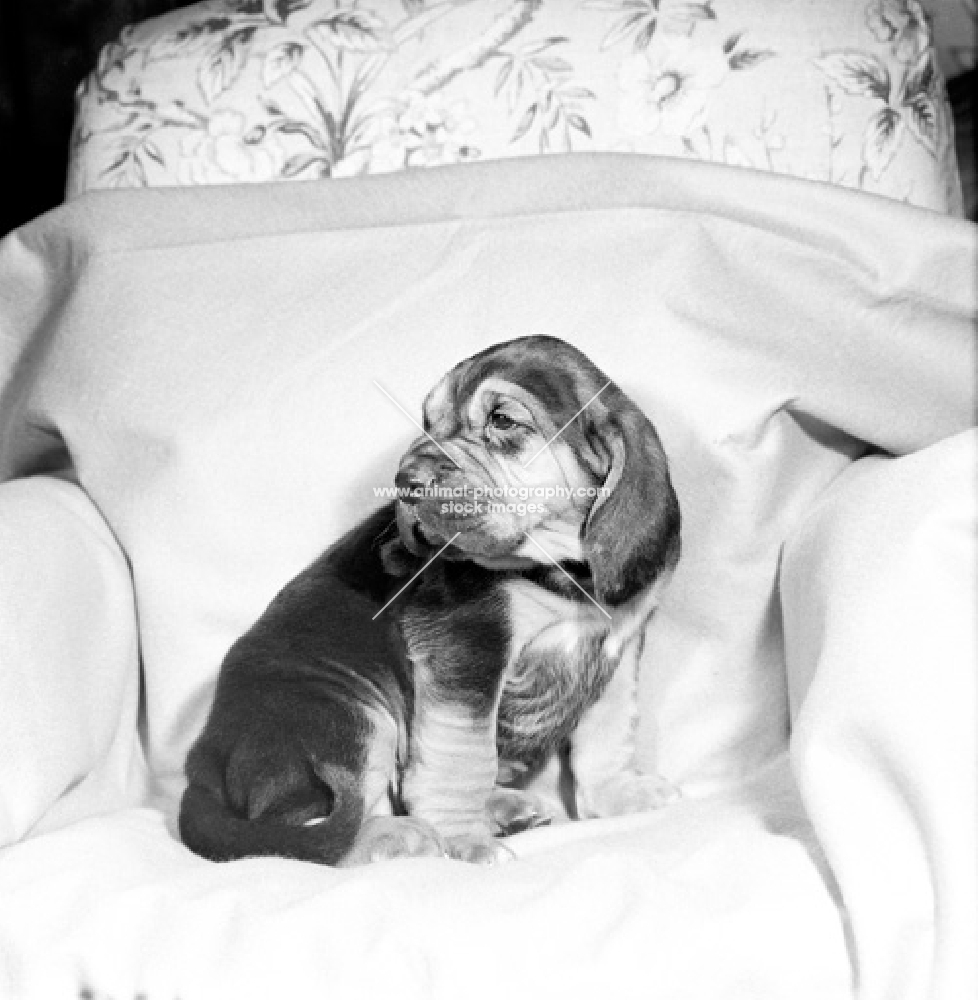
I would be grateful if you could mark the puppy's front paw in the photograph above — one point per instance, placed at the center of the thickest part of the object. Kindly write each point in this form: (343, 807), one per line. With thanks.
(384, 837)
(478, 849)
(626, 794)
(512, 810)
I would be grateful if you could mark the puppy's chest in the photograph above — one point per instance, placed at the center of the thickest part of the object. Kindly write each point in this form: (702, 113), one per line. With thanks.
(559, 663)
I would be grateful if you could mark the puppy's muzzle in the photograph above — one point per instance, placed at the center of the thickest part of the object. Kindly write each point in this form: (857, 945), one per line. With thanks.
(420, 472)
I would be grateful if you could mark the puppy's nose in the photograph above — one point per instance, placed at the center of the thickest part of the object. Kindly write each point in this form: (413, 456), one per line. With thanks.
(415, 478)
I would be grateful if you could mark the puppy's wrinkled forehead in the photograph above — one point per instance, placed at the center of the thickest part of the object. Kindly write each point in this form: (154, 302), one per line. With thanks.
(553, 373)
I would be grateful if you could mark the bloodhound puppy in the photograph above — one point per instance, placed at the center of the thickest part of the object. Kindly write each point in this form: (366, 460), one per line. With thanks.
(491, 616)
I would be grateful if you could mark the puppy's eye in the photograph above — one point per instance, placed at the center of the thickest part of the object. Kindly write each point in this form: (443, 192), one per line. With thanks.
(500, 421)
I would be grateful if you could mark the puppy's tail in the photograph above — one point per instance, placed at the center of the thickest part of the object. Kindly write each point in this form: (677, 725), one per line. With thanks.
(312, 816)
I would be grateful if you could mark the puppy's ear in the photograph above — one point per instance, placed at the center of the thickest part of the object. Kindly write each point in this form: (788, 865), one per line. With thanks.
(632, 532)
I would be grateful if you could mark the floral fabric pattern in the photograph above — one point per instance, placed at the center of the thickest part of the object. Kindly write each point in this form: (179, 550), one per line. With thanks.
(258, 90)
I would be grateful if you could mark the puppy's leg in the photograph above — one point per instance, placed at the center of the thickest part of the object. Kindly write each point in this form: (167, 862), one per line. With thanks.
(452, 762)
(459, 653)
(452, 773)
(602, 755)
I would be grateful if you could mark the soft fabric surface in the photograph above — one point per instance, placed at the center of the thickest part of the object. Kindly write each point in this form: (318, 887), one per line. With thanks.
(67, 683)
(884, 740)
(845, 91)
(217, 366)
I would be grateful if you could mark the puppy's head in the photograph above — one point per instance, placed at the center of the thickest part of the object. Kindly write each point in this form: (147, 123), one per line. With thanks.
(532, 455)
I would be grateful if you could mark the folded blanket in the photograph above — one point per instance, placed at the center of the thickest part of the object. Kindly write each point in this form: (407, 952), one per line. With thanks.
(216, 370)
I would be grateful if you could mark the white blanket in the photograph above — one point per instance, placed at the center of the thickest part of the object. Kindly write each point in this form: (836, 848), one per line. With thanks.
(213, 370)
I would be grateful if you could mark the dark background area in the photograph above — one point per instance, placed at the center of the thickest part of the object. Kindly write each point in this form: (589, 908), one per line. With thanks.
(48, 46)
(962, 90)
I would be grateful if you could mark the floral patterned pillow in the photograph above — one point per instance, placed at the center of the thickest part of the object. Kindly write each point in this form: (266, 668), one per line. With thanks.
(843, 91)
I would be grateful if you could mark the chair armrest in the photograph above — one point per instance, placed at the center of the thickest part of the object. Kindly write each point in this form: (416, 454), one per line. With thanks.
(69, 663)
(879, 594)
